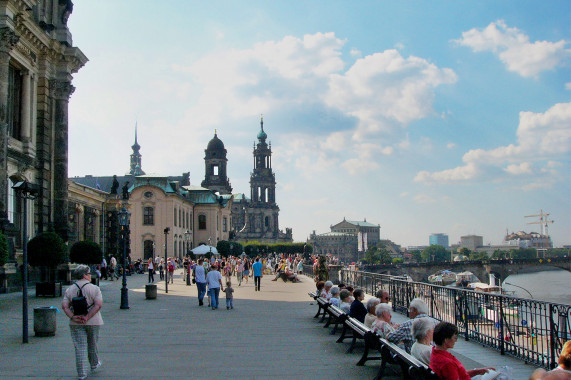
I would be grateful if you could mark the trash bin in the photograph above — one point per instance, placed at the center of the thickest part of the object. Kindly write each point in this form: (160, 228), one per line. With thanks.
(151, 291)
(45, 321)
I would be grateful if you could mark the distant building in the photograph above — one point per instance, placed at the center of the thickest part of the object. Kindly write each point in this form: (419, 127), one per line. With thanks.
(439, 239)
(522, 239)
(471, 242)
(343, 240)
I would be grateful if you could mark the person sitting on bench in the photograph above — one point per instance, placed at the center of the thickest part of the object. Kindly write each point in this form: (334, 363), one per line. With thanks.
(358, 310)
(422, 331)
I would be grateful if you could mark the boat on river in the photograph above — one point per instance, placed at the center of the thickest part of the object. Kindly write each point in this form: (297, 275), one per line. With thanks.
(445, 277)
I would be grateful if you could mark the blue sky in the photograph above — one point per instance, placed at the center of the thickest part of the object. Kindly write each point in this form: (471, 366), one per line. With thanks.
(421, 117)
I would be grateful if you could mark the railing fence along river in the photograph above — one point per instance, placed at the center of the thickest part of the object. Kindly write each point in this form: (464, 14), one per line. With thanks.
(533, 331)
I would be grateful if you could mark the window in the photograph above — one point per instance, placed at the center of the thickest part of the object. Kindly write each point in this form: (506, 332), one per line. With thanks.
(180, 217)
(148, 249)
(215, 169)
(267, 221)
(14, 114)
(224, 224)
(201, 222)
(148, 216)
(174, 217)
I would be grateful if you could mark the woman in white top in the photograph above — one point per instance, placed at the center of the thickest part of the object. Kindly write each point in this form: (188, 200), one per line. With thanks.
(382, 325)
(371, 306)
(422, 330)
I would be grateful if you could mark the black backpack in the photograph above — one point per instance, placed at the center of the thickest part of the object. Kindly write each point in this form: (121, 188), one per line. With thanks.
(79, 303)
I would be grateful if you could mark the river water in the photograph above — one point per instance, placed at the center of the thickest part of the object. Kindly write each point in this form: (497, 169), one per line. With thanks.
(552, 286)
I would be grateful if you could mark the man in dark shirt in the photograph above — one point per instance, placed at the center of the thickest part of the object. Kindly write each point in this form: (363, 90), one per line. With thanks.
(358, 310)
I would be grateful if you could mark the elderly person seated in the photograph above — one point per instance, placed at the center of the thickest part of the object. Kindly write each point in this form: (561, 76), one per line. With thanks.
(346, 300)
(382, 324)
(326, 291)
(417, 309)
(422, 330)
(442, 362)
(371, 316)
(358, 310)
(383, 295)
(334, 300)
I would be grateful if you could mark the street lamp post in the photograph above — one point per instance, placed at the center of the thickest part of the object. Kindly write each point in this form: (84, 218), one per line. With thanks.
(517, 286)
(27, 191)
(124, 216)
(187, 236)
(166, 231)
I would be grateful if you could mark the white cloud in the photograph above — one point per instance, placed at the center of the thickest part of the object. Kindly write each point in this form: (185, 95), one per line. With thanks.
(450, 145)
(423, 198)
(568, 86)
(386, 91)
(399, 46)
(335, 142)
(356, 166)
(542, 138)
(515, 50)
(356, 53)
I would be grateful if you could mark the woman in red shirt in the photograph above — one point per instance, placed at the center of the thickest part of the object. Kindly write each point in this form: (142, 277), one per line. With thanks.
(442, 362)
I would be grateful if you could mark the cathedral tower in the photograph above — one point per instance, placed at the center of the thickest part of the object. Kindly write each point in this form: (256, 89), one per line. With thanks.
(263, 213)
(215, 162)
(135, 167)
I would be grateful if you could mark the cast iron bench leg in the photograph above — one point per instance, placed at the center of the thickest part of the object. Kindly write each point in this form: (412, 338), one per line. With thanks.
(342, 334)
(350, 349)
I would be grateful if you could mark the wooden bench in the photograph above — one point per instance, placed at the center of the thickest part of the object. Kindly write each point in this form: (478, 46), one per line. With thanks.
(321, 305)
(411, 367)
(337, 316)
(357, 330)
(324, 305)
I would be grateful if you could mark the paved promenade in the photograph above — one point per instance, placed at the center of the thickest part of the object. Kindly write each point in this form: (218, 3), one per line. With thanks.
(269, 334)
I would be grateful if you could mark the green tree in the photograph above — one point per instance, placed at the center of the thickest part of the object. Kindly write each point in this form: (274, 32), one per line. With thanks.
(3, 250)
(478, 256)
(525, 253)
(86, 252)
(465, 252)
(47, 249)
(416, 255)
(398, 260)
(223, 248)
(435, 253)
(322, 272)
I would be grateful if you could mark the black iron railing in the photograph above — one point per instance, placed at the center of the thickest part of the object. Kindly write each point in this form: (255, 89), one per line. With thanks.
(530, 330)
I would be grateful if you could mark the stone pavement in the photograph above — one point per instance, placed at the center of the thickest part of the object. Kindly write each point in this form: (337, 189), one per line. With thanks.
(269, 334)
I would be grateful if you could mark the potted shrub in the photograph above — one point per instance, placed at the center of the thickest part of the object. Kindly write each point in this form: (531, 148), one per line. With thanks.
(47, 250)
(5, 270)
(89, 253)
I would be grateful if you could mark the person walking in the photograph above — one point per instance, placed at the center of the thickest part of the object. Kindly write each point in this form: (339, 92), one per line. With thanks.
(151, 271)
(229, 296)
(257, 268)
(246, 272)
(239, 271)
(200, 278)
(113, 268)
(170, 271)
(162, 270)
(84, 329)
(104, 269)
(214, 280)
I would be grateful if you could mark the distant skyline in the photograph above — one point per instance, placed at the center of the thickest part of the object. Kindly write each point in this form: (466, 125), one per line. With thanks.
(450, 117)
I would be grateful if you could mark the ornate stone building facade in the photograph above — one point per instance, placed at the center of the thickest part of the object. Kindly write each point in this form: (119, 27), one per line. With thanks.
(37, 60)
(343, 240)
(215, 161)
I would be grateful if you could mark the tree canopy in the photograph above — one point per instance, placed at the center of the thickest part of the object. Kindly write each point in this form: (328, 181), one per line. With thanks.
(47, 249)
(86, 252)
(435, 253)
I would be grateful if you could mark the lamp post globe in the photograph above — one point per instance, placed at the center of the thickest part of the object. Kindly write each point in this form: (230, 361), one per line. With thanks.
(124, 217)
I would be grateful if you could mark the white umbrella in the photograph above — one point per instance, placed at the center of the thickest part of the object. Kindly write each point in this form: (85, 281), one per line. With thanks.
(204, 249)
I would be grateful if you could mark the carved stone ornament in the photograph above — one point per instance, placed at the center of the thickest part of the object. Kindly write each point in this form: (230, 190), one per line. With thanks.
(8, 39)
(61, 89)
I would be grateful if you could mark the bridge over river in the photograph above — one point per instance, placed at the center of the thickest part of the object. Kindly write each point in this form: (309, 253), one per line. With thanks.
(269, 334)
(500, 268)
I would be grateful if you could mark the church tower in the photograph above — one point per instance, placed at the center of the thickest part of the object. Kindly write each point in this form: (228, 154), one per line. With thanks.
(263, 212)
(215, 162)
(135, 167)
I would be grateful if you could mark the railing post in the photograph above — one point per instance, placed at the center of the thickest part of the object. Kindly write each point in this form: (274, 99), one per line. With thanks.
(501, 315)
(431, 302)
(552, 338)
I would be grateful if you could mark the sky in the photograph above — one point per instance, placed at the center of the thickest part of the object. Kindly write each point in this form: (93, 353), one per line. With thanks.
(422, 117)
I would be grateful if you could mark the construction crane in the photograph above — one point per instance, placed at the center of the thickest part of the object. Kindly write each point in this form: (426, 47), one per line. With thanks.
(543, 223)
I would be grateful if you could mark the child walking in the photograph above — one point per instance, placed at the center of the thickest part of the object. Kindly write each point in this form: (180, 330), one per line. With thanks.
(229, 296)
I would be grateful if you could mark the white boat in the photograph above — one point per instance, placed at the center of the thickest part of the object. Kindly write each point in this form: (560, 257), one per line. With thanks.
(445, 277)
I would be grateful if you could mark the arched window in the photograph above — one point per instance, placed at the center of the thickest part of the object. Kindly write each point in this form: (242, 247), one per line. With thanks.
(148, 216)
(267, 221)
(201, 222)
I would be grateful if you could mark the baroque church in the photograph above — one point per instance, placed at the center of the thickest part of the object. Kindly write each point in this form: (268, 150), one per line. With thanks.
(255, 217)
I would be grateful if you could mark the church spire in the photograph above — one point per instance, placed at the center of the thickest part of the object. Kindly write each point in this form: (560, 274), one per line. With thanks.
(135, 167)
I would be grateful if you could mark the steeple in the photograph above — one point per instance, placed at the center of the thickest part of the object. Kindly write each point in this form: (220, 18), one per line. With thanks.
(135, 167)
(262, 136)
